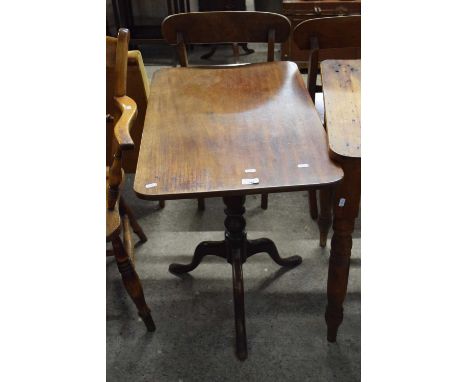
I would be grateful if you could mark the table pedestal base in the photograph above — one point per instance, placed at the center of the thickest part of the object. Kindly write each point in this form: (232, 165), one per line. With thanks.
(236, 249)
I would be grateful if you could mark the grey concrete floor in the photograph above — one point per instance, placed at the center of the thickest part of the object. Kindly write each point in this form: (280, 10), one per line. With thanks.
(195, 335)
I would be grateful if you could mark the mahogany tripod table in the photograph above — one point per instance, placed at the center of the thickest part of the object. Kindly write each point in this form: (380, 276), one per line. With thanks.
(341, 81)
(230, 132)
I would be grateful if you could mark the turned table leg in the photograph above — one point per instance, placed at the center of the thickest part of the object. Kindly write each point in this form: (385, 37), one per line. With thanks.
(313, 210)
(325, 216)
(236, 242)
(345, 210)
(235, 248)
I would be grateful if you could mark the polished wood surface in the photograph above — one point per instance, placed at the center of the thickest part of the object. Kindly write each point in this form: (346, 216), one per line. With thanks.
(341, 83)
(342, 93)
(205, 127)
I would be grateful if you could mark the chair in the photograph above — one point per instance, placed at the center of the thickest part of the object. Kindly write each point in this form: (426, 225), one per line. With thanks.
(118, 215)
(138, 90)
(330, 37)
(222, 28)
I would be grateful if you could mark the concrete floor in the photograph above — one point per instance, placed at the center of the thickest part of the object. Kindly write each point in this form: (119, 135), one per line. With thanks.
(194, 339)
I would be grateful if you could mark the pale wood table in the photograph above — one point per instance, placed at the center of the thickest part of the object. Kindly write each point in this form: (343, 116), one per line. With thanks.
(207, 130)
(341, 81)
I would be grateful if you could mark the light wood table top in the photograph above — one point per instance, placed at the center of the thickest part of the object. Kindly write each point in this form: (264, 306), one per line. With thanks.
(205, 127)
(341, 80)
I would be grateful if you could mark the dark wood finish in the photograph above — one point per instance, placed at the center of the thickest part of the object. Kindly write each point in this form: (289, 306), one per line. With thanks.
(205, 127)
(225, 27)
(221, 5)
(341, 91)
(264, 203)
(325, 217)
(223, 121)
(118, 215)
(236, 249)
(313, 208)
(224, 5)
(201, 204)
(300, 10)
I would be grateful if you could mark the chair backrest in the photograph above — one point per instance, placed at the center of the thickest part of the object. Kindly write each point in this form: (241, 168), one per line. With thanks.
(225, 27)
(340, 36)
(124, 111)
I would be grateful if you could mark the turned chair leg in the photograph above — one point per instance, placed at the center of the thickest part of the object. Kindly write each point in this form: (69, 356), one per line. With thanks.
(313, 208)
(127, 238)
(201, 204)
(235, 52)
(264, 203)
(132, 282)
(125, 210)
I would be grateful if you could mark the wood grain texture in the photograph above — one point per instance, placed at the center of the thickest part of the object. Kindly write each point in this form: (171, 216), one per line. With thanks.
(341, 82)
(204, 127)
(225, 27)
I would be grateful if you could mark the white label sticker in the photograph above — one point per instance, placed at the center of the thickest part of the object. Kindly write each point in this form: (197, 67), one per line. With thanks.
(151, 185)
(250, 181)
(250, 170)
(341, 202)
(302, 165)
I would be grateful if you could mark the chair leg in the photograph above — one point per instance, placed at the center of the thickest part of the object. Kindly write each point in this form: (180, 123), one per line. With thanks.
(264, 203)
(132, 282)
(127, 238)
(162, 203)
(313, 208)
(133, 222)
(235, 52)
(201, 204)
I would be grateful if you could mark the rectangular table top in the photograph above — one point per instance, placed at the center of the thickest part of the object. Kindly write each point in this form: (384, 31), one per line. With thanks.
(341, 81)
(207, 130)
